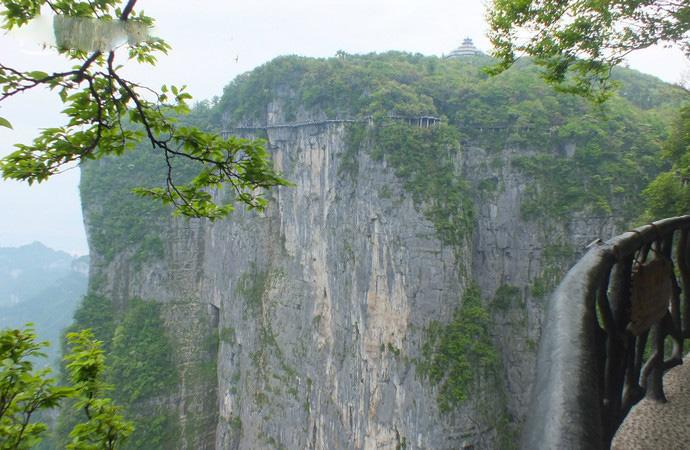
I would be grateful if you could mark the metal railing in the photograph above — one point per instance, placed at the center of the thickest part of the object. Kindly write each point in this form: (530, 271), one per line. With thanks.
(602, 345)
(419, 121)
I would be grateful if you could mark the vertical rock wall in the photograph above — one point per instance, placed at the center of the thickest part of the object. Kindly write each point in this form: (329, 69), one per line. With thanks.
(324, 301)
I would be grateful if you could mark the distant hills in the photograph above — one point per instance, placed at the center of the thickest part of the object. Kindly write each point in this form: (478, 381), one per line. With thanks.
(42, 286)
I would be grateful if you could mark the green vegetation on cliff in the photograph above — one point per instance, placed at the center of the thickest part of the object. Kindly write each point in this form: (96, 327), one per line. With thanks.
(456, 353)
(422, 159)
(139, 365)
(606, 159)
(144, 373)
(119, 221)
(669, 194)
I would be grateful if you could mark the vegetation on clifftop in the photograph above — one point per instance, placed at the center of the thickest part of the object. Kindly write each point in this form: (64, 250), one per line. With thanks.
(585, 158)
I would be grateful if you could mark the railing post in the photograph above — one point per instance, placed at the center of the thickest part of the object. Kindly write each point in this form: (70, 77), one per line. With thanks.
(682, 258)
(655, 385)
(614, 372)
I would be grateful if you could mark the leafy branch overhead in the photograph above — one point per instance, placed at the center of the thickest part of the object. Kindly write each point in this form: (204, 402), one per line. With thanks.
(577, 42)
(109, 114)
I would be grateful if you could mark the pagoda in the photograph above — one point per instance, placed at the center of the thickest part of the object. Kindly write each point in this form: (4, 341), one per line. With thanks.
(466, 49)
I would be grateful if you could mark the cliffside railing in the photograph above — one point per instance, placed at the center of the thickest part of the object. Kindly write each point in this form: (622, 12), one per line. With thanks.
(419, 121)
(602, 346)
(251, 128)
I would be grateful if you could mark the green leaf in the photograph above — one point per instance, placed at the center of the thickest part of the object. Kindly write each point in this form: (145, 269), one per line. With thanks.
(38, 75)
(5, 123)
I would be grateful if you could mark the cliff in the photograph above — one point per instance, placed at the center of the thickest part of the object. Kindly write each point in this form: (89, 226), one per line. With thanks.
(392, 297)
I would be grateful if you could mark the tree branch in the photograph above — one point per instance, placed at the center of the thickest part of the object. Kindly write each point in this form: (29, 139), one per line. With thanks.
(128, 10)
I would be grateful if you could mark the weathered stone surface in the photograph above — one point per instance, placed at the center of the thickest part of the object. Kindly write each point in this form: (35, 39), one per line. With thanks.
(651, 424)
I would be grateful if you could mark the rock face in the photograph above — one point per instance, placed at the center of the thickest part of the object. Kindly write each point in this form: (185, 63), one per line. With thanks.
(510, 251)
(325, 296)
(300, 327)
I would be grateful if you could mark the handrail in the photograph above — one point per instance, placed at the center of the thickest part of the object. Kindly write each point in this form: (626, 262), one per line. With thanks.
(422, 121)
(591, 369)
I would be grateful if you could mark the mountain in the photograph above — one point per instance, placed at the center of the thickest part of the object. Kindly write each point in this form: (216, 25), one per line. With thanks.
(26, 270)
(41, 286)
(391, 298)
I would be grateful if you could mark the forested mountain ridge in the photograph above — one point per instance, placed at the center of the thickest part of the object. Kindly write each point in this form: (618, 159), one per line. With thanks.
(403, 83)
(393, 295)
(26, 270)
(618, 143)
(41, 286)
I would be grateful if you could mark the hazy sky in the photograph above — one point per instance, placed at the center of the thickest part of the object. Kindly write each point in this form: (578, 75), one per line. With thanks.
(215, 41)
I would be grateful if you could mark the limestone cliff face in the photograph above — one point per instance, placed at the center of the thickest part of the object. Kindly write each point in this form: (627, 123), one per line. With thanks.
(300, 327)
(325, 297)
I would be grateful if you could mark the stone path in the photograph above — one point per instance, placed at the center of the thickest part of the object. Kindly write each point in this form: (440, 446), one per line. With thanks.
(663, 426)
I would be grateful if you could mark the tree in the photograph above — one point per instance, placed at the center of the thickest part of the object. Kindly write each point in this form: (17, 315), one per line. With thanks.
(104, 427)
(25, 392)
(578, 42)
(108, 114)
(669, 194)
